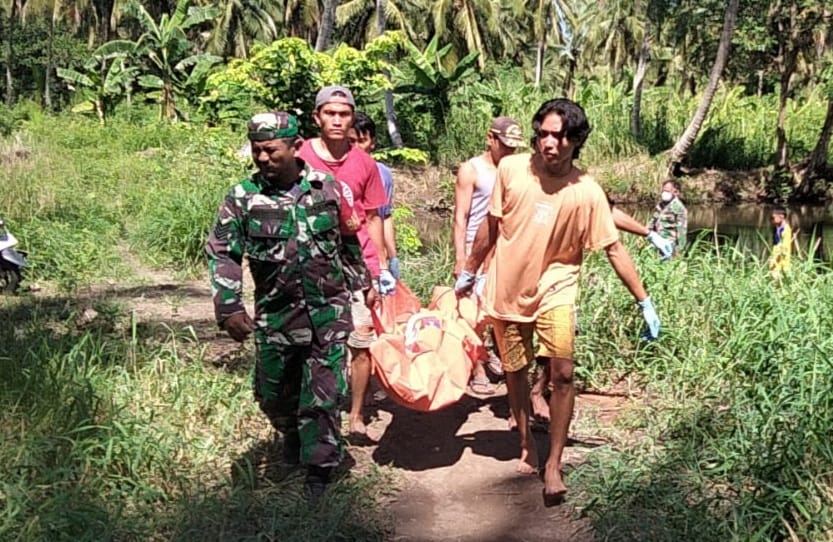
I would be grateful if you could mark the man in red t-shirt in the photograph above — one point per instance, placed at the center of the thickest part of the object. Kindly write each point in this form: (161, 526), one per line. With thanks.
(333, 153)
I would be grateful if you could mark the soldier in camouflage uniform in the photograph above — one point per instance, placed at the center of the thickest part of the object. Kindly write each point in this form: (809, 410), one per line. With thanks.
(298, 227)
(670, 218)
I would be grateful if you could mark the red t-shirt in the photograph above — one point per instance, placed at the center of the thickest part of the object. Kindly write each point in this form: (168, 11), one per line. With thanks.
(358, 171)
(349, 223)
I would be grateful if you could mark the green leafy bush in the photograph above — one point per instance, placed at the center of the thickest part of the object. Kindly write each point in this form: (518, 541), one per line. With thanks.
(407, 236)
(405, 156)
(286, 75)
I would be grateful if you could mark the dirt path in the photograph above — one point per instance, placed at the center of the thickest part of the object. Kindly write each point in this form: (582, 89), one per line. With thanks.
(456, 468)
(458, 471)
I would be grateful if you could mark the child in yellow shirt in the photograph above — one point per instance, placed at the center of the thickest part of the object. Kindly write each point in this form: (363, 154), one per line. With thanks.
(782, 239)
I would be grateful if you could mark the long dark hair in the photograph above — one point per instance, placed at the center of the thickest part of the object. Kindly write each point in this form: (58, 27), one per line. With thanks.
(574, 122)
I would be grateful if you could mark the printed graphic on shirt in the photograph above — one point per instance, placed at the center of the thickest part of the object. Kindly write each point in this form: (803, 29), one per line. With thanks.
(543, 213)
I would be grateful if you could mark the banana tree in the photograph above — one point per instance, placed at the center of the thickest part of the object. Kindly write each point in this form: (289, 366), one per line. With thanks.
(103, 81)
(167, 51)
(432, 79)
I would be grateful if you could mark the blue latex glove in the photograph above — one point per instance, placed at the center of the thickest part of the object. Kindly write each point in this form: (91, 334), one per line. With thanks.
(649, 313)
(464, 284)
(387, 284)
(393, 265)
(665, 247)
(479, 285)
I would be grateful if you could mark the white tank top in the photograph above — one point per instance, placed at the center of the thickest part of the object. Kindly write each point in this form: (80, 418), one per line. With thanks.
(480, 196)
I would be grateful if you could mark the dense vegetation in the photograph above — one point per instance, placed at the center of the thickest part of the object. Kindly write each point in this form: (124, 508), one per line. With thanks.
(118, 429)
(217, 61)
(733, 439)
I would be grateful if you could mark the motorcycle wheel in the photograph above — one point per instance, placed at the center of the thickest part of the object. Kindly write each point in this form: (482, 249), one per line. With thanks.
(9, 280)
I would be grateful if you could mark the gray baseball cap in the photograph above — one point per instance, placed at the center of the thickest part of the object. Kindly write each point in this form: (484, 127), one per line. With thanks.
(334, 93)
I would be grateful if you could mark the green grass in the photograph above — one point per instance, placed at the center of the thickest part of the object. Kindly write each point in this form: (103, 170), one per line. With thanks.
(732, 439)
(738, 133)
(87, 192)
(119, 430)
(115, 429)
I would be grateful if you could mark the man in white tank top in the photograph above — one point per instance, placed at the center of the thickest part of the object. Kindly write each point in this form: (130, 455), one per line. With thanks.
(475, 180)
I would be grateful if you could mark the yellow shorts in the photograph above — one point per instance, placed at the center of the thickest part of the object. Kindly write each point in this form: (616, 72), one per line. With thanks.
(554, 329)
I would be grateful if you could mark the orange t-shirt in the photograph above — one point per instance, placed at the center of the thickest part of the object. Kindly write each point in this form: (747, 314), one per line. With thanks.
(544, 227)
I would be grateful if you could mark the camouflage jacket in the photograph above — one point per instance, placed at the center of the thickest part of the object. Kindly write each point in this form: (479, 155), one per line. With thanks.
(303, 261)
(671, 222)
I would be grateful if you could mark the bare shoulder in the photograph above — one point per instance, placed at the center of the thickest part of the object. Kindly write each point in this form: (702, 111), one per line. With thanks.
(466, 173)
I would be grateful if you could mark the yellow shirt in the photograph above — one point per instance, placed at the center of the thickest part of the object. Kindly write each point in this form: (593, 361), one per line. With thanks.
(544, 227)
(780, 258)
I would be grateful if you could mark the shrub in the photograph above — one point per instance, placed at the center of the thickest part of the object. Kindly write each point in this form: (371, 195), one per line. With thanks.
(407, 237)
(287, 74)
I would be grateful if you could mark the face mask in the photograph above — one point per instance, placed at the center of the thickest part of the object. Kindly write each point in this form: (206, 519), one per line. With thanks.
(666, 196)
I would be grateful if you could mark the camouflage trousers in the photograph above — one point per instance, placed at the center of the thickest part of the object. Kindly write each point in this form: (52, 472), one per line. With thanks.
(299, 388)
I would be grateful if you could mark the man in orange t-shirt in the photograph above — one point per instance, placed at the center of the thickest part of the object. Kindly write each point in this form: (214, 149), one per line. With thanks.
(543, 214)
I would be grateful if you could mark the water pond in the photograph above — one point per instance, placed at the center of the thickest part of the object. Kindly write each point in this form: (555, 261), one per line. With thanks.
(745, 226)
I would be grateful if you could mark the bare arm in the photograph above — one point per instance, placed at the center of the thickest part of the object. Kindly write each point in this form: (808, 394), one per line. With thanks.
(484, 241)
(625, 269)
(627, 223)
(376, 233)
(463, 189)
(390, 237)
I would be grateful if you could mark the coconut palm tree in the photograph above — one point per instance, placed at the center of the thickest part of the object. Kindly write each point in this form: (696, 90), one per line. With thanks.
(326, 25)
(359, 21)
(469, 21)
(242, 22)
(15, 11)
(683, 145)
(615, 32)
(301, 18)
(54, 11)
(550, 23)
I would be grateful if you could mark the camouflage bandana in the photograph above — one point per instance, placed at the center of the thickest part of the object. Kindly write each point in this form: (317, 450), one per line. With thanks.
(272, 125)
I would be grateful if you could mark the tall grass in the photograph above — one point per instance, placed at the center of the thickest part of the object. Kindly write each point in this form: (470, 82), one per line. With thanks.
(120, 430)
(733, 440)
(86, 193)
(116, 430)
(738, 134)
(728, 436)
(155, 186)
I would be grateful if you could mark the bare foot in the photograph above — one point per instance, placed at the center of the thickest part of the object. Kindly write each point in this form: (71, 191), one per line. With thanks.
(540, 407)
(357, 427)
(553, 484)
(528, 463)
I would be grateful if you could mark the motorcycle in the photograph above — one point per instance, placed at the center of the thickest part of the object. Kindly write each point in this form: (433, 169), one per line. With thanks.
(12, 261)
